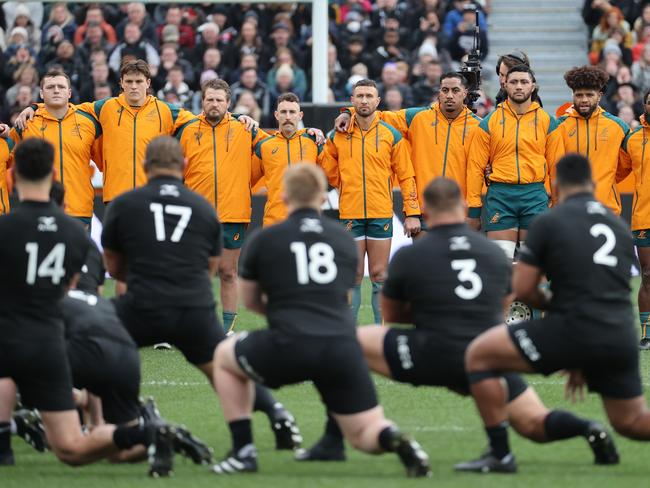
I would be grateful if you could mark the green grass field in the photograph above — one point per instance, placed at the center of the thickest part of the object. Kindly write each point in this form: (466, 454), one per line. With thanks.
(445, 424)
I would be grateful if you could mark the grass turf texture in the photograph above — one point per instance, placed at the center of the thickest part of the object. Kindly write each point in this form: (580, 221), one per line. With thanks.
(445, 424)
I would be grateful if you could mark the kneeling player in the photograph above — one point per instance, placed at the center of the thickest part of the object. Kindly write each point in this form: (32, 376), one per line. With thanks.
(298, 273)
(586, 251)
(452, 285)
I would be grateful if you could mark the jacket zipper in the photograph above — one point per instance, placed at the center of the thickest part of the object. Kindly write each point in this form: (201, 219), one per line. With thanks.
(2, 200)
(517, 153)
(60, 152)
(587, 121)
(363, 173)
(288, 153)
(214, 166)
(444, 164)
(135, 121)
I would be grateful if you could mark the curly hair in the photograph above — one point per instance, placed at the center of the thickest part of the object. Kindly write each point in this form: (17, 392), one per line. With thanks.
(586, 77)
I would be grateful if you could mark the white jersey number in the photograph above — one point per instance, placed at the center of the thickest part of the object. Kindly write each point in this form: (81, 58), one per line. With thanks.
(602, 255)
(185, 213)
(316, 264)
(466, 274)
(51, 266)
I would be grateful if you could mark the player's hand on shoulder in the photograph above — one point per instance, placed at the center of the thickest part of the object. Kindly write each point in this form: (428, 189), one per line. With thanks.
(25, 115)
(412, 226)
(342, 122)
(249, 123)
(317, 134)
(474, 223)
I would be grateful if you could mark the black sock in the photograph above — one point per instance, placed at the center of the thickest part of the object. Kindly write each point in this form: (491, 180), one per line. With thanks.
(333, 437)
(560, 424)
(127, 436)
(5, 437)
(264, 401)
(386, 437)
(498, 436)
(241, 433)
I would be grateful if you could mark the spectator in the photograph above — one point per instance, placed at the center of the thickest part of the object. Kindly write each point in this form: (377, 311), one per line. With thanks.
(462, 39)
(136, 14)
(33, 11)
(247, 61)
(174, 17)
(424, 90)
(354, 25)
(358, 72)
(423, 8)
(611, 58)
(626, 114)
(247, 105)
(25, 75)
(284, 57)
(211, 61)
(18, 37)
(641, 23)
(428, 26)
(176, 84)
(197, 98)
(283, 82)
(95, 39)
(388, 52)
(335, 74)
(99, 75)
(21, 16)
(353, 53)
(641, 70)
(101, 91)
(95, 15)
(60, 17)
(136, 46)
(390, 79)
(24, 98)
(431, 47)
(594, 10)
(393, 99)
(457, 16)
(22, 57)
(609, 23)
(626, 95)
(349, 6)
(281, 37)
(68, 62)
(247, 42)
(641, 41)
(169, 59)
(209, 38)
(248, 80)
(385, 13)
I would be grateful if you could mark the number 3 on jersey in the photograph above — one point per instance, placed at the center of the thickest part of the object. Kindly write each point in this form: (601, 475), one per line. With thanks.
(466, 274)
(316, 264)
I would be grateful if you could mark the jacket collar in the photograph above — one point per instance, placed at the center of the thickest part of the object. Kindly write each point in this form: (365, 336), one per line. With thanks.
(43, 112)
(353, 123)
(226, 119)
(572, 112)
(298, 133)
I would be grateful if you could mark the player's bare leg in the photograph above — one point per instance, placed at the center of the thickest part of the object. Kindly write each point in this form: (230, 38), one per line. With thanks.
(355, 301)
(378, 254)
(644, 296)
(629, 417)
(490, 353)
(7, 402)
(228, 277)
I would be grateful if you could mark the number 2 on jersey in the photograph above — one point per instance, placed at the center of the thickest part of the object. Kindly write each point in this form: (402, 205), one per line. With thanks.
(51, 266)
(466, 274)
(185, 213)
(316, 264)
(602, 255)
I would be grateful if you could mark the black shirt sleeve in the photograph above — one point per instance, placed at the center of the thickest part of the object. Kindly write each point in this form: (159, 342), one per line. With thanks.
(248, 266)
(109, 232)
(217, 239)
(532, 252)
(395, 284)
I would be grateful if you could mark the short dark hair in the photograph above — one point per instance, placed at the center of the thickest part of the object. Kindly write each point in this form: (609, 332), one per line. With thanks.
(57, 193)
(453, 74)
(513, 58)
(34, 158)
(216, 84)
(522, 68)
(51, 73)
(138, 66)
(365, 82)
(586, 77)
(164, 152)
(288, 97)
(573, 170)
(442, 195)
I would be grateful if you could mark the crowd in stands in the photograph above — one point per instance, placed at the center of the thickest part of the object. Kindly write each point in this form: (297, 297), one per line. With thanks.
(261, 50)
(620, 44)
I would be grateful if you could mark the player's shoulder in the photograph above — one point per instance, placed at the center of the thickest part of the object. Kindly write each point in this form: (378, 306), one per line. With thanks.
(617, 122)
(395, 134)
(633, 135)
(412, 113)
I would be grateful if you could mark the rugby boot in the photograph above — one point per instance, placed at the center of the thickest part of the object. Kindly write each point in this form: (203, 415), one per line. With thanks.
(161, 451)
(243, 461)
(602, 445)
(30, 428)
(489, 463)
(286, 431)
